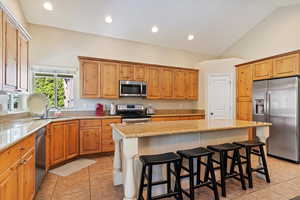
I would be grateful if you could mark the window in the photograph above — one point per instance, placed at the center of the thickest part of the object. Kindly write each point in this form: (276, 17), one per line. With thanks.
(57, 87)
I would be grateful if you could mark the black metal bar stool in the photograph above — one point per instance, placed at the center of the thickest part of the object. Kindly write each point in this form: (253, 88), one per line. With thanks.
(149, 161)
(209, 178)
(223, 150)
(251, 149)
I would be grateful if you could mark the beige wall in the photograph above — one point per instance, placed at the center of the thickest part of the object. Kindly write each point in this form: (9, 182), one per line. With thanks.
(15, 7)
(57, 47)
(213, 67)
(278, 33)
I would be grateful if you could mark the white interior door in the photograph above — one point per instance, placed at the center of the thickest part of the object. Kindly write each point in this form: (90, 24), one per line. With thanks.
(220, 96)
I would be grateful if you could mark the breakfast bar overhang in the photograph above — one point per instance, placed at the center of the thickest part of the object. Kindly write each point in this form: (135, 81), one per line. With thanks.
(132, 140)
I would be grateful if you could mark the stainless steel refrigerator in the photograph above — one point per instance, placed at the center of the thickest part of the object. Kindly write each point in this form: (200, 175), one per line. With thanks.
(277, 101)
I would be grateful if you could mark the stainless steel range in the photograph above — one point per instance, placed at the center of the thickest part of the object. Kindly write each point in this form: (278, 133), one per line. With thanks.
(132, 113)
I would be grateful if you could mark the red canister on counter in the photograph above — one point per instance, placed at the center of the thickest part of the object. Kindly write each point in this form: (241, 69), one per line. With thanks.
(99, 109)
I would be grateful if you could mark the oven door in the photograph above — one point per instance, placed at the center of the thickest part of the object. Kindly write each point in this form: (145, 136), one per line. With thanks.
(130, 89)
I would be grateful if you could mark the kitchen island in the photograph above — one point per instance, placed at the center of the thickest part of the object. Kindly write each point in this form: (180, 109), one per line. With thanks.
(132, 140)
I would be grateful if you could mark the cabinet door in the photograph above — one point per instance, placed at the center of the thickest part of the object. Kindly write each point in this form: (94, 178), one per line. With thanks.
(26, 175)
(179, 84)
(166, 83)
(9, 184)
(107, 140)
(1, 49)
(90, 140)
(286, 66)
(90, 79)
(191, 85)
(71, 139)
(244, 110)
(57, 143)
(153, 83)
(10, 55)
(126, 72)
(139, 73)
(23, 64)
(110, 80)
(262, 70)
(244, 83)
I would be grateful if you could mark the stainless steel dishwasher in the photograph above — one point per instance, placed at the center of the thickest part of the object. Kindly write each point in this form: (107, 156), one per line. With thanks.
(40, 157)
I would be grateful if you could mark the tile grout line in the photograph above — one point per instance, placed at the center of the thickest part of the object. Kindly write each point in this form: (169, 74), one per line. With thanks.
(54, 188)
(90, 182)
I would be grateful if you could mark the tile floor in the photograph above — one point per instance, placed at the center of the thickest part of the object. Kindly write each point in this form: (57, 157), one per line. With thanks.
(95, 183)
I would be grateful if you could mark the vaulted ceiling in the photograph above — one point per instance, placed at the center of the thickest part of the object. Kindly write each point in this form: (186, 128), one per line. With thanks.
(216, 24)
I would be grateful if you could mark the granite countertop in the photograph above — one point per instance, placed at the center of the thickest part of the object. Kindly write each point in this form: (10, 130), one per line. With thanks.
(13, 130)
(178, 127)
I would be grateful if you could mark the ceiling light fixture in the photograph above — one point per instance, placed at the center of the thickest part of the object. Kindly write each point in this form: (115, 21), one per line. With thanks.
(191, 37)
(48, 6)
(108, 19)
(154, 29)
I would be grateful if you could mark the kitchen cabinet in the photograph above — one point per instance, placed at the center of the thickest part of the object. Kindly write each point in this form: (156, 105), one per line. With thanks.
(166, 83)
(244, 110)
(179, 84)
(286, 65)
(106, 135)
(126, 72)
(72, 139)
(191, 85)
(57, 142)
(10, 54)
(63, 141)
(244, 83)
(90, 79)
(1, 49)
(17, 171)
(263, 70)
(22, 63)
(153, 83)
(140, 73)
(90, 136)
(90, 140)
(109, 80)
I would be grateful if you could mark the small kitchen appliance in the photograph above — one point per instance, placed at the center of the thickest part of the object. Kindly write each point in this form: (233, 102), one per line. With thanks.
(99, 109)
(112, 109)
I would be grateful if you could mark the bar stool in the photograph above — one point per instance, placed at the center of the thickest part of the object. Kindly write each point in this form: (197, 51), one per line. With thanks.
(223, 150)
(198, 153)
(249, 147)
(149, 161)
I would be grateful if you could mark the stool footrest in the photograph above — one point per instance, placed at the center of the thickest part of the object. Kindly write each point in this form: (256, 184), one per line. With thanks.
(161, 196)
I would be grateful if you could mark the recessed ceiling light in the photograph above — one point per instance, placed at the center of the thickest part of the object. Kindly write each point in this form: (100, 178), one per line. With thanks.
(48, 5)
(108, 19)
(191, 37)
(154, 29)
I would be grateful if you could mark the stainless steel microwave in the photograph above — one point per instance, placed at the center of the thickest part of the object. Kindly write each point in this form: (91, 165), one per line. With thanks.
(133, 89)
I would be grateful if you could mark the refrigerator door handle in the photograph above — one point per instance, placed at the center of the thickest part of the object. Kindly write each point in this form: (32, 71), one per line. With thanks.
(268, 95)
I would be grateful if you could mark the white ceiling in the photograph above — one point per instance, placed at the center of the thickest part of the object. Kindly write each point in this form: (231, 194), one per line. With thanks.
(216, 24)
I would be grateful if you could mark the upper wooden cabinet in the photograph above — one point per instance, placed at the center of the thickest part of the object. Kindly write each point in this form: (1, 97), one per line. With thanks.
(126, 72)
(109, 80)
(179, 84)
(191, 84)
(153, 83)
(244, 82)
(140, 73)
(262, 70)
(22, 63)
(166, 83)
(100, 79)
(286, 65)
(90, 79)
(10, 55)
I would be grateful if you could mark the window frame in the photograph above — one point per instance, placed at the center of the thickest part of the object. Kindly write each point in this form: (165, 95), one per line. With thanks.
(56, 76)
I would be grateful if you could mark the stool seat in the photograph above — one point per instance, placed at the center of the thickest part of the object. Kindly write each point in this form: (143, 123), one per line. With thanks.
(160, 158)
(250, 143)
(196, 152)
(224, 147)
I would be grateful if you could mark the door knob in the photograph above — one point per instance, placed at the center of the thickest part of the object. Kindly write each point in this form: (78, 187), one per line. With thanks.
(211, 113)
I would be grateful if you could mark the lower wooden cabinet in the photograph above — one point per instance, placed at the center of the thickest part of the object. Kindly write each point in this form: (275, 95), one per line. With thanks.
(17, 179)
(64, 141)
(107, 143)
(90, 140)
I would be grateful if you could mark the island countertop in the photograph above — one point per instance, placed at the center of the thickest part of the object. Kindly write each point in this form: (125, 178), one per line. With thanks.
(150, 129)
